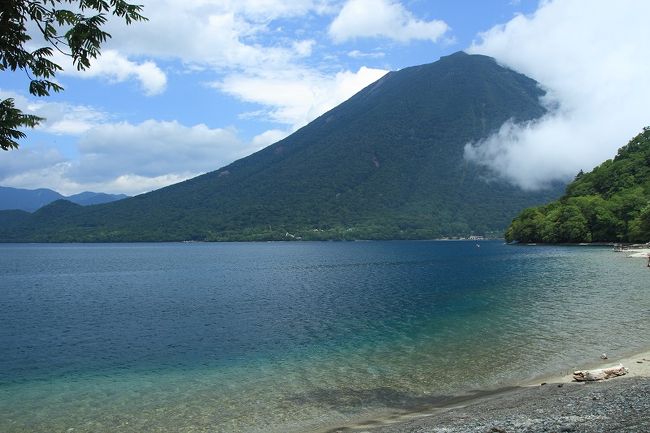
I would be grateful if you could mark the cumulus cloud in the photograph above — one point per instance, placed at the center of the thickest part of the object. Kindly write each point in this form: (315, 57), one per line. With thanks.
(233, 34)
(222, 35)
(56, 177)
(383, 18)
(273, 9)
(298, 96)
(153, 148)
(60, 118)
(592, 58)
(39, 174)
(126, 158)
(15, 164)
(115, 67)
(132, 184)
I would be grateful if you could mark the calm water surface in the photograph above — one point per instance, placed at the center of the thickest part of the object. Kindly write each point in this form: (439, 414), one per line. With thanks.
(263, 337)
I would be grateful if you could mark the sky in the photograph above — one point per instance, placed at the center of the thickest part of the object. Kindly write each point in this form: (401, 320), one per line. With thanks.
(206, 82)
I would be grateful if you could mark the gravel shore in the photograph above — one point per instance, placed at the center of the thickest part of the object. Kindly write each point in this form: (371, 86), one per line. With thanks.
(616, 405)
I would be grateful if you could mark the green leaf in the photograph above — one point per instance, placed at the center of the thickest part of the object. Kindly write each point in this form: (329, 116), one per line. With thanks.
(11, 119)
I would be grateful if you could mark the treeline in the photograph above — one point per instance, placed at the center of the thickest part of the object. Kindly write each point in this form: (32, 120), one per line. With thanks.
(609, 204)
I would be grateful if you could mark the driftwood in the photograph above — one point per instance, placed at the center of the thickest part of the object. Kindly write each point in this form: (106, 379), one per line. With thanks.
(599, 374)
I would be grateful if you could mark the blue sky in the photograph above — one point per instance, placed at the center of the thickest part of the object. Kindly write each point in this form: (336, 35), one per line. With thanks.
(205, 82)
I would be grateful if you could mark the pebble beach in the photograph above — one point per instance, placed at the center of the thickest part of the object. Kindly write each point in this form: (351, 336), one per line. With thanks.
(554, 404)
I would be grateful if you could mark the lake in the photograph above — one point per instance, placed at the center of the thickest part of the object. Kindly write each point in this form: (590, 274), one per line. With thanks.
(293, 337)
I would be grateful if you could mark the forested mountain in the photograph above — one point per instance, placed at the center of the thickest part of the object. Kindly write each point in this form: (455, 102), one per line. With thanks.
(31, 199)
(386, 164)
(609, 204)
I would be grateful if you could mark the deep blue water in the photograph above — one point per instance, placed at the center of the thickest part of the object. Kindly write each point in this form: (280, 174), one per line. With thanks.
(78, 308)
(294, 335)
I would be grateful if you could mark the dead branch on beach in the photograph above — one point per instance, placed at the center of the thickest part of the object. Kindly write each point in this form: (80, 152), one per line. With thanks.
(599, 374)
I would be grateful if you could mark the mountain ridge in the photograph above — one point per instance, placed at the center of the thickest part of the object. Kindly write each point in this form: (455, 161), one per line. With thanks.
(31, 200)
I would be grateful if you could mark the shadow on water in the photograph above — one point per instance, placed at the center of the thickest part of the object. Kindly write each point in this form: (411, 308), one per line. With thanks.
(393, 404)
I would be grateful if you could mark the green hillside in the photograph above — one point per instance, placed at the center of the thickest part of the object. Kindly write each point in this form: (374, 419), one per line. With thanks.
(609, 204)
(386, 164)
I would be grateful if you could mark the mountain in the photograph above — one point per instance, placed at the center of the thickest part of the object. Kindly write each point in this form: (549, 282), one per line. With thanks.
(88, 198)
(386, 164)
(32, 199)
(26, 199)
(609, 204)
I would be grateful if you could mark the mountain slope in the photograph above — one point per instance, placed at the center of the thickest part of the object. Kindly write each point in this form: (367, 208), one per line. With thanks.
(32, 199)
(609, 204)
(387, 163)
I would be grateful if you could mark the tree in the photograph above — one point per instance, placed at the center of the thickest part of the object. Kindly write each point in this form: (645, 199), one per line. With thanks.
(640, 226)
(601, 221)
(74, 30)
(527, 226)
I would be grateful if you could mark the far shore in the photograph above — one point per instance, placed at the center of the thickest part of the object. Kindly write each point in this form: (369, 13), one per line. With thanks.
(556, 401)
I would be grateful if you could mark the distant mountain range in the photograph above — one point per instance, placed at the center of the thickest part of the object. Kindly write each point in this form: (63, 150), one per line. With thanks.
(386, 164)
(32, 199)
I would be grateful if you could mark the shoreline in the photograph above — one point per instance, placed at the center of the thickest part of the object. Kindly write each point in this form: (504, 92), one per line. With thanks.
(526, 399)
(634, 368)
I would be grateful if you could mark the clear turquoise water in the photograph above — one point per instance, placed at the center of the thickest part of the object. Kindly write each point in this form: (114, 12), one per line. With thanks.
(282, 337)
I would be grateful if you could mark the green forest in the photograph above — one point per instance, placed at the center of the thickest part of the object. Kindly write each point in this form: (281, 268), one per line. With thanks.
(609, 204)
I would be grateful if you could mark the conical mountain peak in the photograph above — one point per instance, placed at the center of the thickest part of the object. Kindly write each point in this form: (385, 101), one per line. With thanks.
(387, 163)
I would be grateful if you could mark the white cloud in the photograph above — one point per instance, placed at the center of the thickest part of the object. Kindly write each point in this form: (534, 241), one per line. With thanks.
(115, 67)
(264, 10)
(40, 174)
(60, 118)
(132, 184)
(66, 119)
(223, 35)
(383, 18)
(303, 48)
(56, 177)
(266, 138)
(298, 96)
(593, 58)
(356, 54)
(153, 148)
(16, 163)
(126, 158)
